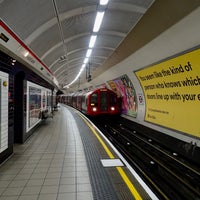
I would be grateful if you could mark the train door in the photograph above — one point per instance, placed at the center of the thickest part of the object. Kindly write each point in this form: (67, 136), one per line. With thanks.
(103, 101)
(19, 112)
(84, 103)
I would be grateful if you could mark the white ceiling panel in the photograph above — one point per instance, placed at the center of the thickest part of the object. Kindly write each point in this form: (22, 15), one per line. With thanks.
(59, 31)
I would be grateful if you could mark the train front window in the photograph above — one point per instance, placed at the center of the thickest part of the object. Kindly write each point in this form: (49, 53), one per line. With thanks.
(94, 99)
(113, 99)
(103, 101)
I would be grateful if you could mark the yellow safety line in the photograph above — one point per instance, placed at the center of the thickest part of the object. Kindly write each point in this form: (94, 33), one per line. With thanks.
(129, 184)
(120, 170)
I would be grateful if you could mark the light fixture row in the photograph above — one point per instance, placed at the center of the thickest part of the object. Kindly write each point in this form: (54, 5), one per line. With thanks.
(96, 27)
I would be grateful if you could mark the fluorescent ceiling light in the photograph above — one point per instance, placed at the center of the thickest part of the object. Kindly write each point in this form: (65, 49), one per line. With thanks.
(23, 51)
(26, 53)
(83, 66)
(92, 41)
(97, 24)
(55, 81)
(76, 78)
(98, 21)
(85, 60)
(88, 54)
(103, 2)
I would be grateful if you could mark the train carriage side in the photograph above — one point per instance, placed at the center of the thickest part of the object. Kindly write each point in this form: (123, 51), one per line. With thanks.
(61, 98)
(74, 97)
(84, 102)
(69, 99)
(79, 100)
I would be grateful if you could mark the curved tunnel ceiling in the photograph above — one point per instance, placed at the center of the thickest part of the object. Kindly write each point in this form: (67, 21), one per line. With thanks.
(58, 31)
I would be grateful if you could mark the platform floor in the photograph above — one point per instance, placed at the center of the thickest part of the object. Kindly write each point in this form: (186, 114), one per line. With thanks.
(60, 161)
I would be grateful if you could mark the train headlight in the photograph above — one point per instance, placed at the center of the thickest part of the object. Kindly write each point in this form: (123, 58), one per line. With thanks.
(94, 109)
(112, 108)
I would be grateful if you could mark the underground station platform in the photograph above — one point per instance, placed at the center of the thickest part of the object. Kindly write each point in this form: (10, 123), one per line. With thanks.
(67, 157)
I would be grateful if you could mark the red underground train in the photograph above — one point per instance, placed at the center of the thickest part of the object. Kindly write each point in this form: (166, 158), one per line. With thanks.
(95, 102)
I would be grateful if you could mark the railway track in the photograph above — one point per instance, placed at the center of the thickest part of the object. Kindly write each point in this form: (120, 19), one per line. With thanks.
(170, 176)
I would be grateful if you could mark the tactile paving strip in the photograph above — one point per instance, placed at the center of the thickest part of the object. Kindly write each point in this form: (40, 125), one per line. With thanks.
(106, 181)
(101, 184)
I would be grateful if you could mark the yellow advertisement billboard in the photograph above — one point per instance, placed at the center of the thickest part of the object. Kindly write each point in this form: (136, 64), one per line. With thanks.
(172, 92)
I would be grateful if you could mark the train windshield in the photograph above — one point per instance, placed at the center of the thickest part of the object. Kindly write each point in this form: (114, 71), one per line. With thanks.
(103, 101)
(113, 99)
(94, 99)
